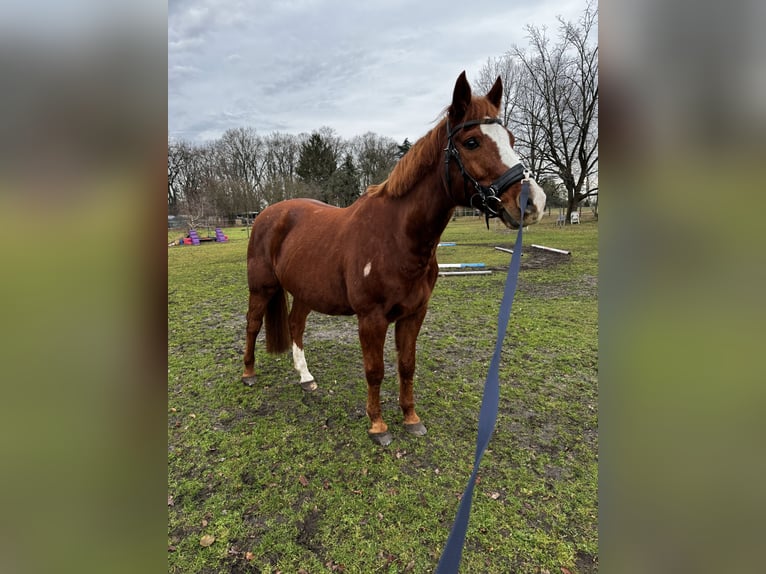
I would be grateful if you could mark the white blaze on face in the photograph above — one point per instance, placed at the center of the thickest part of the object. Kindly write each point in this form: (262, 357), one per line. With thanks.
(367, 268)
(500, 136)
(508, 156)
(299, 361)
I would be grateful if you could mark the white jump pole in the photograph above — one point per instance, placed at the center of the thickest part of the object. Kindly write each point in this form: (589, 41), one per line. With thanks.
(459, 265)
(552, 249)
(464, 272)
(506, 250)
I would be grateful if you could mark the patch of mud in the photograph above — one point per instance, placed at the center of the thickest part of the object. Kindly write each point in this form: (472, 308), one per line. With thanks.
(307, 530)
(586, 564)
(532, 258)
(339, 329)
(586, 286)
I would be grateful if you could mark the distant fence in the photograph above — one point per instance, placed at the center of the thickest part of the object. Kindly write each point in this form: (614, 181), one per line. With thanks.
(183, 222)
(466, 212)
(586, 213)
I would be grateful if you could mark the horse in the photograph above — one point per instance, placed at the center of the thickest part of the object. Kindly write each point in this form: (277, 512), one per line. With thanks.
(376, 258)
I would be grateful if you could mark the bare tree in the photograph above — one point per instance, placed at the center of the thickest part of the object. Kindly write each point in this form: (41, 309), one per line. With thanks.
(375, 156)
(241, 158)
(200, 179)
(531, 140)
(561, 104)
(175, 173)
(186, 176)
(509, 70)
(280, 179)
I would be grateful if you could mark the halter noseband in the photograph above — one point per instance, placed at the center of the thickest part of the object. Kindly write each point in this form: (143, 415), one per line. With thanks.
(486, 198)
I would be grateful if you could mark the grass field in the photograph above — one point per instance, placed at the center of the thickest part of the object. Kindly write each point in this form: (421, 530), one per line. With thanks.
(289, 482)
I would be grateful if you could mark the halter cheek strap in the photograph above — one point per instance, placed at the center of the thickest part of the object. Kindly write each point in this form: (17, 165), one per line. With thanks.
(485, 198)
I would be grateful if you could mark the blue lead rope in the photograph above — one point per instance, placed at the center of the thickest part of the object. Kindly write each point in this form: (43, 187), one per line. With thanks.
(453, 551)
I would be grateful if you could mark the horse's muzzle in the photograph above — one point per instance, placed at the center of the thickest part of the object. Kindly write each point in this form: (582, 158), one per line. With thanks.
(532, 213)
(508, 219)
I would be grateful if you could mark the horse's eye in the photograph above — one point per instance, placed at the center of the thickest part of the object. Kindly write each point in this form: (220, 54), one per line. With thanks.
(471, 143)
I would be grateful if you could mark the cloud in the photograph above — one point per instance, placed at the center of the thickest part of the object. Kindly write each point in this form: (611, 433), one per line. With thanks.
(383, 66)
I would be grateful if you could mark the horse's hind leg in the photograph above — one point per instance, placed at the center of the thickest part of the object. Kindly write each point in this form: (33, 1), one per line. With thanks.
(297, 320)
(255, 311)
(406, 331)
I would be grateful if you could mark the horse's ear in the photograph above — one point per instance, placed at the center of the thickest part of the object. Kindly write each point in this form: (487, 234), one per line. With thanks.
(461, 97)
(495, 94)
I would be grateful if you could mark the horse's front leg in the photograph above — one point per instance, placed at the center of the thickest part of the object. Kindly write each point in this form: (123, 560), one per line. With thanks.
(407, 330)
(372, 336)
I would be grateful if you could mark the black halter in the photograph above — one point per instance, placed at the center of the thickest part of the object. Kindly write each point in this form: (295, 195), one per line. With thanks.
(485, 198)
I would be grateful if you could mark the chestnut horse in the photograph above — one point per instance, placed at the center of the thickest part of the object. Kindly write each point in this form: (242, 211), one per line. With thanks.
(376, 259)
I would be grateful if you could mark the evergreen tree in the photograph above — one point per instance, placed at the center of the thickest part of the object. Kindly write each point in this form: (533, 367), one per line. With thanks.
(404, 148)
(344, 183)
(316, 165)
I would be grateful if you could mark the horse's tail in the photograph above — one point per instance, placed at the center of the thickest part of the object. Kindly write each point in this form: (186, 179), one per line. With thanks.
(277, 328)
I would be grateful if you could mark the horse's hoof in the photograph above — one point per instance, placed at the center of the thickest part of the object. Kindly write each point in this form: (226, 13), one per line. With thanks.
(309, 386)
(418, 428)
(249, 381)
(381, 438)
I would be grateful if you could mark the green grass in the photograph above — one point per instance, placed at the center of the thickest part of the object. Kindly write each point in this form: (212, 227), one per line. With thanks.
(290, 482)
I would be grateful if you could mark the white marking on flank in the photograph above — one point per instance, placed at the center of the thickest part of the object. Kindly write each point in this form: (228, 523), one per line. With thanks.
(367, 268)
(299, 360)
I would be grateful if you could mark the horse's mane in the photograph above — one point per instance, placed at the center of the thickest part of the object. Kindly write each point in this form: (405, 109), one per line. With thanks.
(425, 153)
(413, 165)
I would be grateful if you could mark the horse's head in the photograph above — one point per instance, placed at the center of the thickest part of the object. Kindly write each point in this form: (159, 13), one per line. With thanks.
(482, 168)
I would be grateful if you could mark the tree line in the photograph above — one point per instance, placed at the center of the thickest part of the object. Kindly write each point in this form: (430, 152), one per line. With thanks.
(550, 103)
(243, 171)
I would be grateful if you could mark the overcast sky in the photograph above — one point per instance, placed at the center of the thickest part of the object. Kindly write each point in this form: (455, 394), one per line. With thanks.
(386, 66)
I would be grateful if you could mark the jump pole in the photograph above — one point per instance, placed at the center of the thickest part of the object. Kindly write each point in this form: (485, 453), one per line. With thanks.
(446, 244)
(464, 273)
(459, 265)
(552, 249)
(506, 250)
